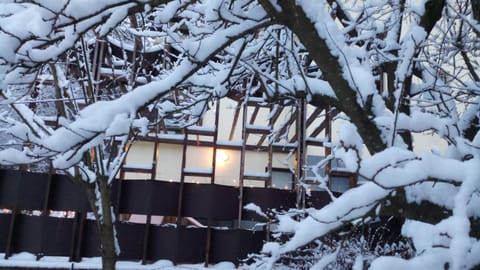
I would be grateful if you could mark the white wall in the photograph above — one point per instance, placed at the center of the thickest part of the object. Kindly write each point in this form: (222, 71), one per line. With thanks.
(227, 172)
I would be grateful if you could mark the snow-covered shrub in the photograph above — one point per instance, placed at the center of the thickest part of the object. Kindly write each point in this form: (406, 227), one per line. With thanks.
(350, 248)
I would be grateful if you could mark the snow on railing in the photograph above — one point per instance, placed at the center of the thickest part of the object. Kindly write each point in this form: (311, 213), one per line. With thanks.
(201, 128)
(138, 166)
(198, 171)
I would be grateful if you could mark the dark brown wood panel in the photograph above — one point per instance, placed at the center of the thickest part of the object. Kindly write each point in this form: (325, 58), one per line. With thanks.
(65, 195)
(24, 230)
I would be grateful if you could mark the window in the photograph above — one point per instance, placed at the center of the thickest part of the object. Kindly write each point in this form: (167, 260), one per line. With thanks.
(282, 178)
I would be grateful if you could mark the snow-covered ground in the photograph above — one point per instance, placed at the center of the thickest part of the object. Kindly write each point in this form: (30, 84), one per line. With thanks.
(29, 260)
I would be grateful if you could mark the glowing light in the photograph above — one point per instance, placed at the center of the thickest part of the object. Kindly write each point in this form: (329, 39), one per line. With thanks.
(222, 156)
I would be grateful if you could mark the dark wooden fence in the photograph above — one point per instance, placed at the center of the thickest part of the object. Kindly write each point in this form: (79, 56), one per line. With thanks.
(23, 230)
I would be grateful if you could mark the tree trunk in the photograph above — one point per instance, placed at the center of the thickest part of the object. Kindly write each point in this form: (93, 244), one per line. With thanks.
(476, 9)
(424, 211)
(106, 226)
(332, 72)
